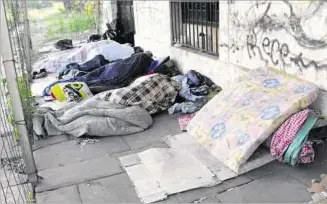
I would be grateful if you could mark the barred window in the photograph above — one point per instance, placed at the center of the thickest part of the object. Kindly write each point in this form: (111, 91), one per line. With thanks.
(195, 25)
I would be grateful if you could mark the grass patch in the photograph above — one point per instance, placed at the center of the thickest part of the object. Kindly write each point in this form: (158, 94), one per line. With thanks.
(39, 14)
(60, 23)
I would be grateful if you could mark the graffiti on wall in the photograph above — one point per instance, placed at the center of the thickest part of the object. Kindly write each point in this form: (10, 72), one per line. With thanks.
(278, 53)
(272, 50)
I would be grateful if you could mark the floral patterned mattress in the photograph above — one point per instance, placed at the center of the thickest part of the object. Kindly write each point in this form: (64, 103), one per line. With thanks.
(234, 123)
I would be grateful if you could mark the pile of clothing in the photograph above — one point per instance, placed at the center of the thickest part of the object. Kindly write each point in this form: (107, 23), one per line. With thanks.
(291, 143)
(196, 90)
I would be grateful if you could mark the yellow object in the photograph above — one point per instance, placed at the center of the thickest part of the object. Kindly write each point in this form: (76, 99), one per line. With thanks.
(71, 91)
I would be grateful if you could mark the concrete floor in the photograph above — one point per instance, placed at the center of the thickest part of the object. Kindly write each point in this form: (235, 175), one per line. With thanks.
(92, 173)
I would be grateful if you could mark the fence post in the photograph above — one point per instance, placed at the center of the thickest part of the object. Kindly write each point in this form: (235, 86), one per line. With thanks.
(98, 15)
(27, 41)
(9, 67)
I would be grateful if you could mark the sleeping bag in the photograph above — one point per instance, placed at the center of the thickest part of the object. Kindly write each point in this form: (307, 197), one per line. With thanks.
(113, 75)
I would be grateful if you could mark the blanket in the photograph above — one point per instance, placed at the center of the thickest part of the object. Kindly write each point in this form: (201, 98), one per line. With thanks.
(113, 75)
(91, 117)
(154, 93)
(236, 121)
(111, 51)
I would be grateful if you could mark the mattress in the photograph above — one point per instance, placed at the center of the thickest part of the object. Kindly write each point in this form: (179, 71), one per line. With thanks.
(235, 122)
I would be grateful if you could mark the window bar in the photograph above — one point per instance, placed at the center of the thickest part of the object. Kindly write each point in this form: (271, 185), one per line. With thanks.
(179, 21)
(131, 14)
(172, 22)
(217, 25)
(197, 26)
(206, 35)
(175, 23)
(189, 38)
(201, 34)
(193, 23)
(181, 9)
(211, 19)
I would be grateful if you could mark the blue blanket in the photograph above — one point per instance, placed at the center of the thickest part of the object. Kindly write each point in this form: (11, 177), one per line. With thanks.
(113, 75)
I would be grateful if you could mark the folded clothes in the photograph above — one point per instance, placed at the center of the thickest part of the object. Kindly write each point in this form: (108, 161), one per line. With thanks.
(300, 150)
(286, 133)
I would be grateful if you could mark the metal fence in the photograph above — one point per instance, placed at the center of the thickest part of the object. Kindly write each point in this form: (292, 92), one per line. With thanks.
(26, 26)
(17, 166)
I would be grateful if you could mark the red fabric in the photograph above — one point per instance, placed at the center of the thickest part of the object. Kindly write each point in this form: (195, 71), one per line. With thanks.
(285, 134)
(307, 153)
(184, 121)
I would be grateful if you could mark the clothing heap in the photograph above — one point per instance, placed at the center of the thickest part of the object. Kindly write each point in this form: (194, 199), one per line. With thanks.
(291, 143)
(196, 90)
(113, 91)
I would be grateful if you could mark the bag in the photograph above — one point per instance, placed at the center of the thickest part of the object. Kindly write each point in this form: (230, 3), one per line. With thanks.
(64, 44)
(71, 91)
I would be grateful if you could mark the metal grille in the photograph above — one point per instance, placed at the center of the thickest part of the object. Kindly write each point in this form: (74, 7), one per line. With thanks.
(14, 186)
(195, 25)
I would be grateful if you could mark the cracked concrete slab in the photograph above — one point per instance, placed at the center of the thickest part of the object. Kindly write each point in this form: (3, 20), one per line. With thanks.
(68, 152)
(274, 188)
(163, 125)
(113, 189)
(38, 144)
(77, 173)
(62, 195)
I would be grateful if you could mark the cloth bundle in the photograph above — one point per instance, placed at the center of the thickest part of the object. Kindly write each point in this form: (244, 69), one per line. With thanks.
(184, 120)
(154, 93)
(111, 76)
(290, 144)
(194, 85)
(91, 117)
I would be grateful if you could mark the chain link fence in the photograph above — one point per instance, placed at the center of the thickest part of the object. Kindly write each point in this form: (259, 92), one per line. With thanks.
(14, 175)
(31, 25)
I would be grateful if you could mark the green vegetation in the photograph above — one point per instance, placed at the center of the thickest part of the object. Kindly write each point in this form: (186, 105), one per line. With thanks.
(25, 94)
(68, 23)
(59, 20)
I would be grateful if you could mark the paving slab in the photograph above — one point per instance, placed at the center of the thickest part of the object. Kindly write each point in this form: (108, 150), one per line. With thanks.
(306, 172)
(62, 195)
(192, 195)
(210, 199)
(38, 144)
(170, 199)
(68, 152)
(78, 173)
(275, 188)
(270, 168)
(113, 189)
(163, 125)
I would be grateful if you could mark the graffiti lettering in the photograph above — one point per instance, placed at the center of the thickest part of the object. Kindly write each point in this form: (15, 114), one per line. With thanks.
(251, 46)
(278, 53)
